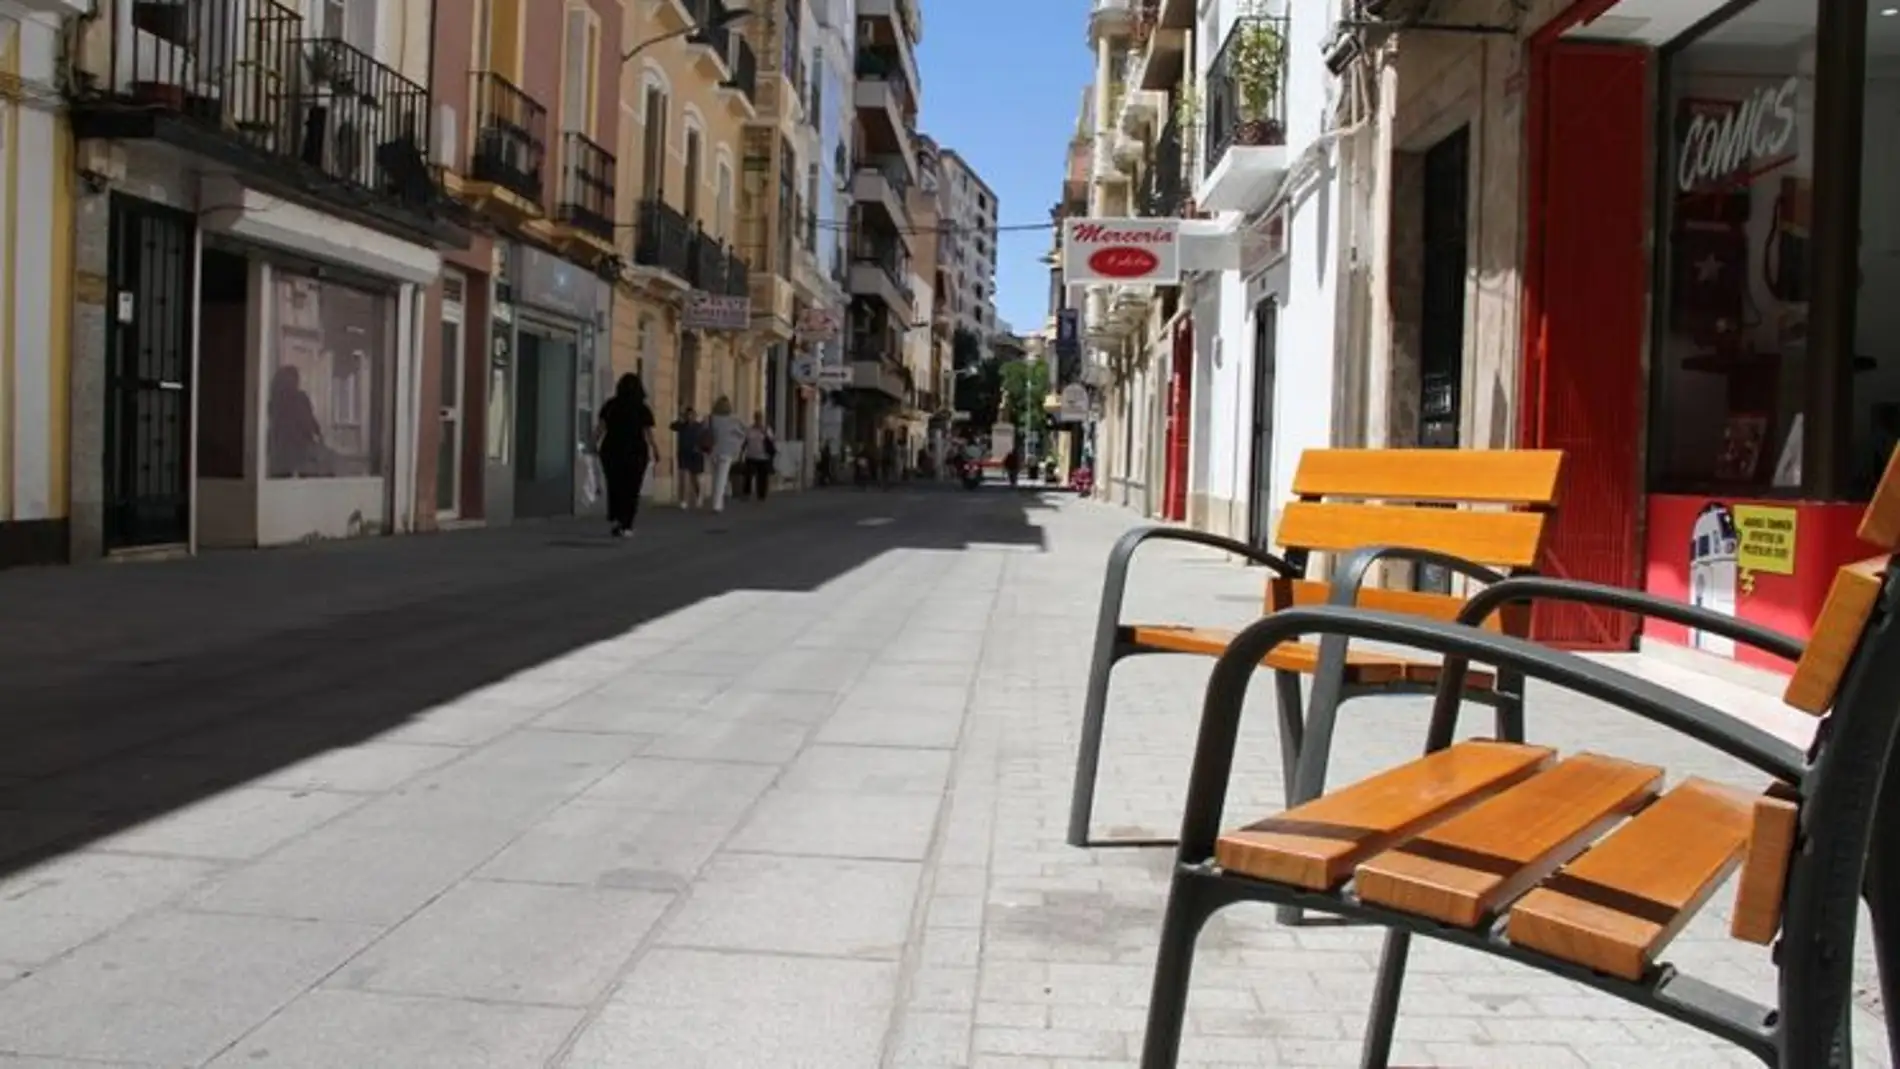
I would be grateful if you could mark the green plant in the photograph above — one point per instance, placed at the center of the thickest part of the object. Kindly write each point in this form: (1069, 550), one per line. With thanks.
(1259, 57)
(1187, 106)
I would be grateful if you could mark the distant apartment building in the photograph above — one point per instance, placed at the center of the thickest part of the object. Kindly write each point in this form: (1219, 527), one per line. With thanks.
(970, 211)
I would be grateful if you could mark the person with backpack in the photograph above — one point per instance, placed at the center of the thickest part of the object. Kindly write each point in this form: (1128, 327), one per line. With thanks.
(690, 448)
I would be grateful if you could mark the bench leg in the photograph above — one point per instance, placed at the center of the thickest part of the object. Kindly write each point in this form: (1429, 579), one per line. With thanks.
(1377, 1050)
(1292, 710)
(1189, 907)
(1510, 706)
(1882, 891)
(1088, 758)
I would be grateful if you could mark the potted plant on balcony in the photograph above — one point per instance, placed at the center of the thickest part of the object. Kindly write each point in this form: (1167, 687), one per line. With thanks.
(1259, 60)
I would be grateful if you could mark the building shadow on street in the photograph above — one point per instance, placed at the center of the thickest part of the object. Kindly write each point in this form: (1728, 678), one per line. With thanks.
(129, 691)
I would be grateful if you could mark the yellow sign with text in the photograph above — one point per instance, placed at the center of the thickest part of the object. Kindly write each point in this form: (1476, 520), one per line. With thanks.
(1764, 539)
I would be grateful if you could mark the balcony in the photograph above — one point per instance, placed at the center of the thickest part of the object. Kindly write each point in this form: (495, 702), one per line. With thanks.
(586, 205)
(742, 88)
(240, 84)
(710, 39)
(1163, 189)
(663, 241)
(887, 107)
(1162, 54)
(878, 270)
(1244, 104)
(878, 374)
(882, 183)
(505, 165)
(892, 33)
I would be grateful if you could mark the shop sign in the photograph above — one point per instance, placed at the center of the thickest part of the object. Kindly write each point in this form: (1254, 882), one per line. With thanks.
(546, 281)
(715, 311)
(816, 323)
(1730, 141)
(834, 376)
(804, 370)
(1764, 539)
(1121, 251)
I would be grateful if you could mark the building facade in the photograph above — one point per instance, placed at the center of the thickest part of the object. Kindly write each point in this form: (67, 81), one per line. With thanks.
(257, 233)
(1643, 233)
(517, 354)
(881, 400)
(970, 210)
(36, 272)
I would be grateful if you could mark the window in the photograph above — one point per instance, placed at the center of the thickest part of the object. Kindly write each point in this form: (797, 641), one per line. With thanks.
(1876, 388)
(811, 200)
(643, 345)
(484, 35)
(689, 202)
(791, 38)
(327, 416)
(579, 78)
(722, 205)
(653, 146)
(787, 206)
(1729, 382)
(353, 21)
(817, 75)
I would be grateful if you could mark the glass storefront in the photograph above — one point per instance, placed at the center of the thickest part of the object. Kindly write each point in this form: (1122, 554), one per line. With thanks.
(1731, 346)
(1876, 390)
(328, 413)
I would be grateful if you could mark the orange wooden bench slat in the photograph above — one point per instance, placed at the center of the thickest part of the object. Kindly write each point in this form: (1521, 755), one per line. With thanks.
(1850, 604)
(1363, 667)
(1317, 844)
(1499, 539)
(1616, 906)
(1491, 476)
(1760, 891)
(1468, 866)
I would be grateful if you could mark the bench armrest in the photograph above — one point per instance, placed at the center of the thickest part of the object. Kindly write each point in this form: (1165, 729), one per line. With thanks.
(1227, 693)
(1518, 589)
(1115, 582)
(1350, 574)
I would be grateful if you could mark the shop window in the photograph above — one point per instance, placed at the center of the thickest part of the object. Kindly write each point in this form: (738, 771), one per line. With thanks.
(1729, 378)
(327, 416)
(580, 62)
(1876, 383)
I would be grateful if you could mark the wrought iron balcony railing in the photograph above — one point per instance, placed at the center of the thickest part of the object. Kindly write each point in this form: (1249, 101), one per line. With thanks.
(1245, 96)
(706, 266)
(738, 276)
(710, 27)
(662, 239)
(364, 124)
(587, 186)
(1164, 183)
(235, 72)
(745, 70)
(510, 137)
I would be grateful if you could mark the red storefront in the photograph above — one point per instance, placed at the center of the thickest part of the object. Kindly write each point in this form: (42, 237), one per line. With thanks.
(1712, 298)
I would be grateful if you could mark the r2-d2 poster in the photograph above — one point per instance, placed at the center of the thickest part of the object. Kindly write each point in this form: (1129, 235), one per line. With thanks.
(1712, 573)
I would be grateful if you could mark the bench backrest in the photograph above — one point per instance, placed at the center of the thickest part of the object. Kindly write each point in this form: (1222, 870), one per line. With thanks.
(1815, 835)
(1417, 498)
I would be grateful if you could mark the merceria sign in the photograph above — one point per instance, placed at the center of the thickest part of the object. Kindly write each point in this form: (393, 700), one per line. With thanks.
(1756, 132)
(1123, 251)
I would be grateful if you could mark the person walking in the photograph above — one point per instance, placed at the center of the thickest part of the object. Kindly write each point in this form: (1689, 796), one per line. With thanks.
(690, 459)
(728, 445)
(759, 451)
(623, 439)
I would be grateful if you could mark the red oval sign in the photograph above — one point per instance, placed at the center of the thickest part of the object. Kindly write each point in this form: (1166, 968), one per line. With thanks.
(1123, 261)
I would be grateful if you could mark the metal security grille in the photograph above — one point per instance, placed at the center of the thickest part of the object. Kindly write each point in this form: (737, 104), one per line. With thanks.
(148, 376)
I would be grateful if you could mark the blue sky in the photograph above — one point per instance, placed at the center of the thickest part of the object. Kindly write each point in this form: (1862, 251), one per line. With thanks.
(1002, 79)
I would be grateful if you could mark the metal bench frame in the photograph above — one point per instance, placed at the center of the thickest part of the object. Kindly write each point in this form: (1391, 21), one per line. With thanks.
(1303, 766)
(1847, 802)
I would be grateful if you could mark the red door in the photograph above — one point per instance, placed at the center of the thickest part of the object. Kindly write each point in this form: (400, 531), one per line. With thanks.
(1180, 411)
(1586, 299)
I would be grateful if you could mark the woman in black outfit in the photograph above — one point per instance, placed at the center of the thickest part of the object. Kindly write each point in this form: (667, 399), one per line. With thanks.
(624, 440)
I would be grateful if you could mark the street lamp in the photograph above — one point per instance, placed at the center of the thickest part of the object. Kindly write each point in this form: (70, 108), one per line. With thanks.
(725, 17)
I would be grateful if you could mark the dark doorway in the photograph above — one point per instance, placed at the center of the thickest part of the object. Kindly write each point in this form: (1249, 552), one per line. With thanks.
(689, 373)
(148, 376)
(1441, 353)
(1266, 323)
(545, 435)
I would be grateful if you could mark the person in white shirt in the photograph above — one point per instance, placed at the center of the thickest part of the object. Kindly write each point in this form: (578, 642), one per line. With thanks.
(728, 444)
(760, 450)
